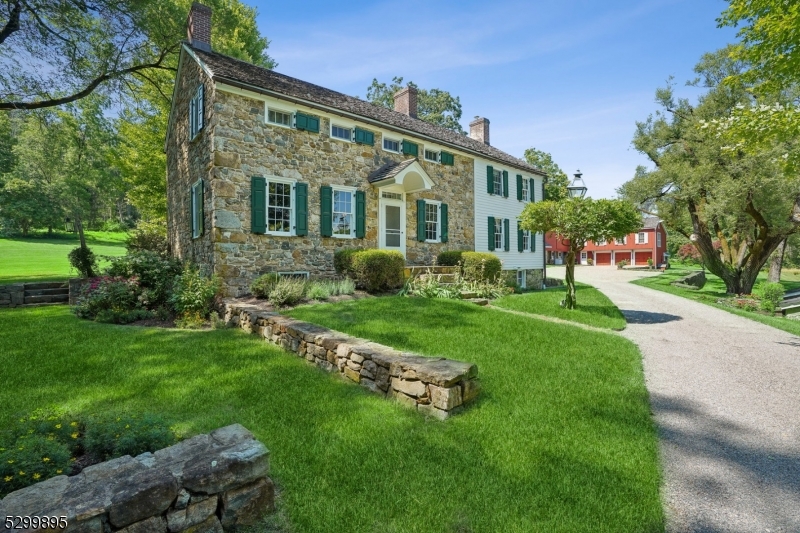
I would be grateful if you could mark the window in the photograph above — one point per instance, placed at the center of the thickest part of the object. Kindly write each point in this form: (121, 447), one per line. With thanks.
(640, 238)
(431, 155)
(339, 132)
(521, 278)
(498, 183)
(343, 216)
(526, 241)
(431, 221)
(196, 113)
(621, 241)
(658, 239)
(498, 234)
(279, 207)
(392, 195)
(280, 118)
(601, 242)
(391, 145)
(197, 209)
(525, 192)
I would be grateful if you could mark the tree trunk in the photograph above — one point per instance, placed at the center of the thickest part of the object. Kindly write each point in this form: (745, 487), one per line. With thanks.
(777, 263)
(570, 300)
(79, 229)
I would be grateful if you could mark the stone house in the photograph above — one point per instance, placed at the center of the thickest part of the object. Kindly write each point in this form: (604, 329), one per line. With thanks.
(268, 173)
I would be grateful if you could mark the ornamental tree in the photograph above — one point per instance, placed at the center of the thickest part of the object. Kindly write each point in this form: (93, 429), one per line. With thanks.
(577, 221)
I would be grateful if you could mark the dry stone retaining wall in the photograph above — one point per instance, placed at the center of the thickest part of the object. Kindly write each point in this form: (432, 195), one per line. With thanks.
(434, 386)
(209, 483)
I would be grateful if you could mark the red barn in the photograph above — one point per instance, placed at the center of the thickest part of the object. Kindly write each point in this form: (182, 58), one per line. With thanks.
(650, 242)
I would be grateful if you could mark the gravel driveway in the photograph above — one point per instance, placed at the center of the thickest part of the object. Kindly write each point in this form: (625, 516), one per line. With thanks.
(725, 392)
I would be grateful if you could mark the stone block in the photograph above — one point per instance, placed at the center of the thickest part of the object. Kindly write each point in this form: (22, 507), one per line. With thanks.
(236, 465)
(194, 514)
(144, 494)
(211, 525)
(407, 401)
(370, 366)
(354, 366)
(352, 374)
(411, 388)
(367, 374)
(224, 219)
(445, 398)
(430, 410)
(229, 435)
(244, 506)
(370, 384)
(382, 378)
(155, 524)
(470, 389)
(320, 351)
(331, 357)
(356, 358)
(183, 499)
(93, 525)
(227, 159)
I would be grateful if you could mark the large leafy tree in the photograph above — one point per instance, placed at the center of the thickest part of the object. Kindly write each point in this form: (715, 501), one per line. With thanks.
(746, 200)
(577, 221)
(433, 105)
(555, 187)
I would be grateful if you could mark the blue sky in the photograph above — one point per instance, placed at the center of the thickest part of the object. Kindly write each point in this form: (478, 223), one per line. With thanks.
(570, 77)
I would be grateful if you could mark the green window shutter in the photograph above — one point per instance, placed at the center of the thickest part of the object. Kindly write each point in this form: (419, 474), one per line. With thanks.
(361, 214)
(258, 205)
(505, 183)
(519, 186)
(201, 112)
(313, 124)
(192, 198)
(300, 121)
(410, 148)
(326, 211)
(421, 220)
(301, 209)
(200, 211)
(448, 158)
(491, 233)
(489, 179)
(520, 236)
(533, 242)
(445, 229)
(506, 236)
(531, 186)
(544, 192)
(364, 137)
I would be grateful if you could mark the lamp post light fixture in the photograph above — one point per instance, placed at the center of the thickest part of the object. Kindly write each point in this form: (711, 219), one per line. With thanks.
(577, 189)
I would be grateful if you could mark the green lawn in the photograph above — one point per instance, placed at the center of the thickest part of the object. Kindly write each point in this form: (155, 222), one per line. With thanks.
(594, 308)
(713, 290)
(45, 259)
(561, 439)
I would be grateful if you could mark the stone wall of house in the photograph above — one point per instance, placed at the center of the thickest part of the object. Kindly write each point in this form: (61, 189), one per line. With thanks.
(434, 386)
(209, 483)
(187, 162)
(245, 146)
(534, 278)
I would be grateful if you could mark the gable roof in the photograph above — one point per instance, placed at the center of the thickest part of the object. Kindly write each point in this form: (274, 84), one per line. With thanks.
(389, 170)
(651, 222)
(239, 73)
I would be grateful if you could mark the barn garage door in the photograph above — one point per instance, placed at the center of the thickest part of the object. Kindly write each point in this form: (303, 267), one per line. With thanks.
(642, 257)
(603, 258)
(619, 256)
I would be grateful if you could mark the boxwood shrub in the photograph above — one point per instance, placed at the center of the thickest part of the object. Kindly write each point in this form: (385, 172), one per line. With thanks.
(450, 258)
(372, 270)
(481, 266)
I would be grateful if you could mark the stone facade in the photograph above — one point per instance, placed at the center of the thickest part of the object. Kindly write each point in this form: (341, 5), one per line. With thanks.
(434, 386)
(209, 483)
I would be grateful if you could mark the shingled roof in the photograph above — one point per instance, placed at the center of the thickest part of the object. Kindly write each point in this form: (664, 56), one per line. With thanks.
(232, 71)
(651, 222)
(390, 170)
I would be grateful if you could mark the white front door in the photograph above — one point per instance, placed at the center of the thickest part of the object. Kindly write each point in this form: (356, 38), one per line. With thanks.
(392, 222)
(584, 259)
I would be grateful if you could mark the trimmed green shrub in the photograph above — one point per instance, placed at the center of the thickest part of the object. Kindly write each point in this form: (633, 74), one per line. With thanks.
(84, 261)
(156, 274)
(288, 291)
(263, 284)
(450, 258)
(194, 293)
(114, 436)
(378, 270)
(481, 266)
(149, 236)
(771, 295)
(343, 260)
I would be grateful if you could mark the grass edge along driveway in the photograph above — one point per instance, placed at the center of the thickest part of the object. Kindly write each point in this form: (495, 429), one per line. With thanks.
(713, 290)
(560, 440)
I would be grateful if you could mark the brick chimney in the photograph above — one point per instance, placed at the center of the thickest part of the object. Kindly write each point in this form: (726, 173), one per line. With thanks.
(405, 101)
(198, 26)
(479, 130)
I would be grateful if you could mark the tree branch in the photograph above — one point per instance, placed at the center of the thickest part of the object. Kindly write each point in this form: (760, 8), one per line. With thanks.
(13, 21)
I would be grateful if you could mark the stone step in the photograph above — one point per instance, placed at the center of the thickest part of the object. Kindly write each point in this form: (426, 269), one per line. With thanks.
(57, 298)
(46, 285)
(792, 309)
(43, 304)
(792, 294)
(47, 292)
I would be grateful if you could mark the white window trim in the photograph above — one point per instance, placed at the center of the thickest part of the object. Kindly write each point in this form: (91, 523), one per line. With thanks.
(289, 112)
(438, 220)
(196, 234)
(292, 223)
(501, 223)
(658, 239)
(438, 153)
(351, 190)
(398, 141)
(526, 190)
(494, 178)
(339, 125)
(531, 236)
(641, 238)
